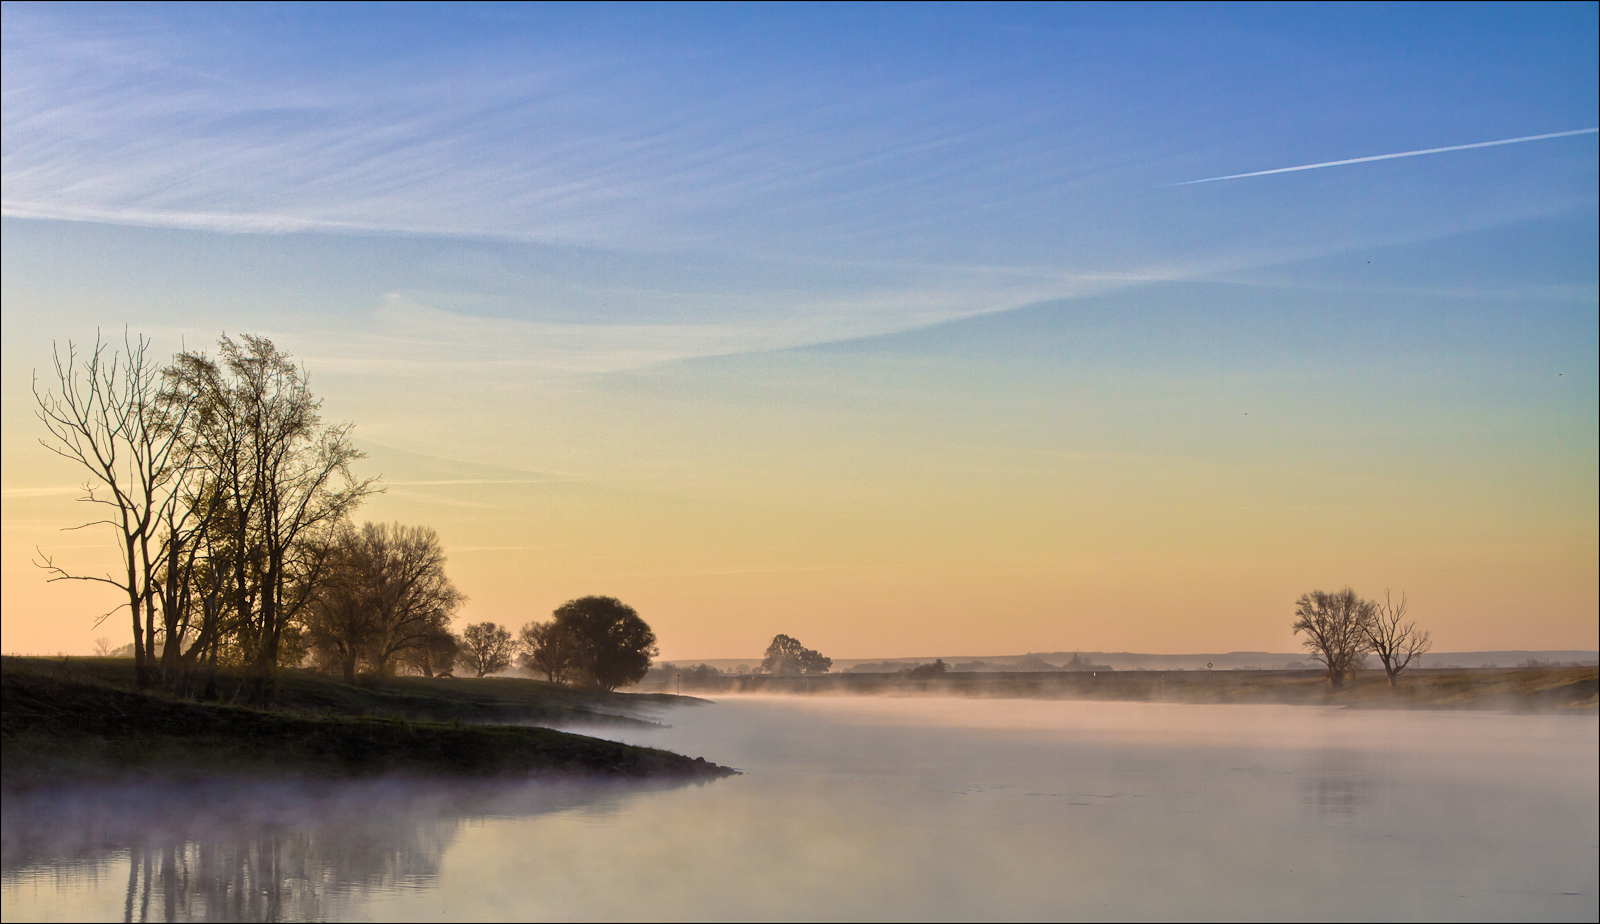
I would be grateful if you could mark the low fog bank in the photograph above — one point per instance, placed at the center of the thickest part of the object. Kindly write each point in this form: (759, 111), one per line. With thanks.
(1541, 689)
(922, 808)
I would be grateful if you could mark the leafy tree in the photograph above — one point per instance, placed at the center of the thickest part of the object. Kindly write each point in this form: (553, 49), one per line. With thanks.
(547, 648)
(437, 653)
(1336, 630)
(927, 671)
(487, 648)
(1396, 642)
(384, 593)
(284, 481)
(787, 656)
(611, 645)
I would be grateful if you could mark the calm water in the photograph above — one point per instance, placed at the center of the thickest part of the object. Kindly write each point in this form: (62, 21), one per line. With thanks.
(886, 808)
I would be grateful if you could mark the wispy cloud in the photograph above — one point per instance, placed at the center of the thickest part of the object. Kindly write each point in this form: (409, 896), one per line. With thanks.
(137, 119)
(1375, 157)
(836, 201)
(409, 337)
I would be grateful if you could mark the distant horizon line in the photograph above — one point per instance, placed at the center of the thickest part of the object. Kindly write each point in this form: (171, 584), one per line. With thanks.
(1528, 652)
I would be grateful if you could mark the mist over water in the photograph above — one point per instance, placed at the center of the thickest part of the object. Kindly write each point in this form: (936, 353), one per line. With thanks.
(885, 808)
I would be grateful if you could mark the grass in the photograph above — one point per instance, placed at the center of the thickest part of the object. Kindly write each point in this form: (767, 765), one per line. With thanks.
(1565, 690)
(468, 700)
(73, 720)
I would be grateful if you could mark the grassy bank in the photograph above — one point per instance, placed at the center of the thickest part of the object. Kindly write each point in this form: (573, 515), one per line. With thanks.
(1541, 690)
(72, 720)
(428, 699)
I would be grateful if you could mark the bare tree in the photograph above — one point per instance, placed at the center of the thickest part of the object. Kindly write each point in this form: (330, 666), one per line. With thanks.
(102, 647)
(547, 648)
(1335, 628)
(108, 417)
(487, 648)
(383, 594)
(1396, 642)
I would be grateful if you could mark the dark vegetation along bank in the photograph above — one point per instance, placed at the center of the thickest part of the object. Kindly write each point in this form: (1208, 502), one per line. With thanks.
(1568, 690)
(82, 718)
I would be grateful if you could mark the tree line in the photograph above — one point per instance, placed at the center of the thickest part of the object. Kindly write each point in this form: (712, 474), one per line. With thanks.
(597, 643)
(231, 503)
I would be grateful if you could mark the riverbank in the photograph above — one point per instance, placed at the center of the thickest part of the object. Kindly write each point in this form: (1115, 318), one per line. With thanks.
(62, 721)
(1566, 690)
(419, 699)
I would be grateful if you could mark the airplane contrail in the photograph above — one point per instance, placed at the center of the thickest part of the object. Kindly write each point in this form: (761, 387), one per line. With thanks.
(1363, 160)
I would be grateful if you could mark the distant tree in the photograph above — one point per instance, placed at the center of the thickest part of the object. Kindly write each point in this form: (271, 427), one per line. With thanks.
(1335, 626)
(612, 646)
(1396, 642)
(701, 673)
(877, 667)
(102, 647)
(547, 648)
(435, 655)
(926, 671)
(487, 648)
(787, 656)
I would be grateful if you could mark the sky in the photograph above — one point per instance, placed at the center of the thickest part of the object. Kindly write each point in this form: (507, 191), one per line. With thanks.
(903, 330)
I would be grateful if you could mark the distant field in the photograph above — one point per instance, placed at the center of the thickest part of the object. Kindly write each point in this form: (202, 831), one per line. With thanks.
(1536, 690)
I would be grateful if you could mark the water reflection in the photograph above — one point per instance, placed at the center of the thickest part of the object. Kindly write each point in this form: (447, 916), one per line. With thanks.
(884, 810)
(258, 851)
(1336, 786)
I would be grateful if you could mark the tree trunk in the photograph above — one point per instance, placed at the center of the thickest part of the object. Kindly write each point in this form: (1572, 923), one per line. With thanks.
(142, 656)
(349, 662)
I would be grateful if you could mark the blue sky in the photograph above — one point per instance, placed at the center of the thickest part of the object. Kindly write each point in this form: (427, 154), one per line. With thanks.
(947, 222)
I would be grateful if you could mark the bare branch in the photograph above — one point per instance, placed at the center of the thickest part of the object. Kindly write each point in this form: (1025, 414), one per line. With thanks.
(1396, 642)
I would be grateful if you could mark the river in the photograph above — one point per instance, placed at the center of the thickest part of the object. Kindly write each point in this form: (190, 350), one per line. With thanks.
(876, 808)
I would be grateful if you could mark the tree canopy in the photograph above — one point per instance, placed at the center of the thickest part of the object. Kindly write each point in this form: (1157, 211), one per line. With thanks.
(384, 596)
(787, 656)
(611, 645)
(487, 648)
(547, 648)
(1335, 625)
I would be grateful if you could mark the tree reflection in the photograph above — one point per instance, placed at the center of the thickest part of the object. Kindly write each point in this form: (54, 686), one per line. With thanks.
(252, 852)
(295, 875)
(1337, 786)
